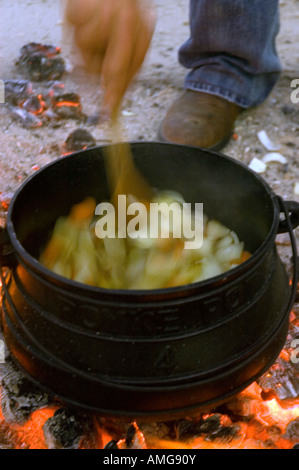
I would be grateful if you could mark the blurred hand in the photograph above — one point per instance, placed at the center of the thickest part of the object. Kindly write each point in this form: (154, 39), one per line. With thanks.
(113, 36)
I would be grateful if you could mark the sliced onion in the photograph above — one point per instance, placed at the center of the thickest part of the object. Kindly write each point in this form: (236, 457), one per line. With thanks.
(206, 248)
(141, 262)
(225, 241)
(267, 142)
(274, 157)
(234, 236)
(215, 230)
(230, 253)
(210, 268)
(257, 165)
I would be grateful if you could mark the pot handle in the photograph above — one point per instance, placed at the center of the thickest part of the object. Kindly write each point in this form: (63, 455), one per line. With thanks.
(291, 221)
(291, 212)
(7, 255)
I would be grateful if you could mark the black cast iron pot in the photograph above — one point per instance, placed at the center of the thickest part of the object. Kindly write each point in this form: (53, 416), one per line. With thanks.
(159, 353)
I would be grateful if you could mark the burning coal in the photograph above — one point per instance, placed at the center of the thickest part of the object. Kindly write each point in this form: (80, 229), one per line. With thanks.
(79, 139)
(16, 91)
(49, 103)
(67, 105)
(36, 108)
(41, 62)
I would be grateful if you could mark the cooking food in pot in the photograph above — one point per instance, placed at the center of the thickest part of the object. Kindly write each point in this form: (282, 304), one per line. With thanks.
(145, 252)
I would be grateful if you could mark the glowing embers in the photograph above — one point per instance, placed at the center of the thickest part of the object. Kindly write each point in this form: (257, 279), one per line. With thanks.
(264, 416)
(41, 61)
(245, 422)
(67, 105)
(51, 102)
(34, 109)
(282, 379)
(17, 91)
(35, 105)
(32, 419)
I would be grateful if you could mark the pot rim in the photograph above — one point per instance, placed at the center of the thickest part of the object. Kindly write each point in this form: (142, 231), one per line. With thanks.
(51, 276)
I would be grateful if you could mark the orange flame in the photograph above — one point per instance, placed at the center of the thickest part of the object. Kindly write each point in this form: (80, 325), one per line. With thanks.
(31, 433)
(60, 104)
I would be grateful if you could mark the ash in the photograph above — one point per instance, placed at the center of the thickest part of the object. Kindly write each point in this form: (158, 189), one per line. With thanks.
(69, 429)
(19, 396)
(66, 429)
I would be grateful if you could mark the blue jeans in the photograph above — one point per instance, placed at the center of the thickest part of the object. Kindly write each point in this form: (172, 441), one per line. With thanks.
(231, 50)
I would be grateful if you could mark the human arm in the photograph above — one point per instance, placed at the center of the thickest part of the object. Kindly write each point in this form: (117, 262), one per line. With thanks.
(113, 37)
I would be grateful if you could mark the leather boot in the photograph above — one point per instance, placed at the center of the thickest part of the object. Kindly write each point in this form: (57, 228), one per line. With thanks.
(199, 119)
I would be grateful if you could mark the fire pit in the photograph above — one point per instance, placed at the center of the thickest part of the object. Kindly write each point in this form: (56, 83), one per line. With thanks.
(148, 355)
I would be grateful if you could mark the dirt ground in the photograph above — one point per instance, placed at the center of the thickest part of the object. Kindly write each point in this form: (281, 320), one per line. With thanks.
(24, 150)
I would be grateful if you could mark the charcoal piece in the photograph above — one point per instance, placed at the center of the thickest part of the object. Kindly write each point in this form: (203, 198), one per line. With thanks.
(26, 119)
(111, 445)
(67, 428)
(19, 396)
(40, 68)
(78, 139)
(35, 104)
(292, 430)
(210, 425)
(41, 61)
(130, 435)
(281, 380)
(211, 428)
(17, 91)
(67, 105)
(32, 48)
(134, 438)
(185, 428)
(155, 431)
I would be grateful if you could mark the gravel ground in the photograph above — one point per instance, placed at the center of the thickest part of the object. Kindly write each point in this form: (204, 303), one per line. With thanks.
(160, 81)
